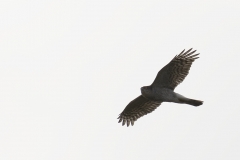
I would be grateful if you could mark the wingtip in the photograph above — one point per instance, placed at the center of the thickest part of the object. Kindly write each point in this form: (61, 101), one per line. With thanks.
(132, 122)
(182, 52)
(188, 54)
(128, 122)
(123, 123)
(120, 120)
(189, 50)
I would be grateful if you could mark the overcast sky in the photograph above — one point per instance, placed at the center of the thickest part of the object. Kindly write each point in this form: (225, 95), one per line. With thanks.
(69, 68)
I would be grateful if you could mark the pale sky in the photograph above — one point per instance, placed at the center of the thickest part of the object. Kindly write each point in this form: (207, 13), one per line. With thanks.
(69, 68)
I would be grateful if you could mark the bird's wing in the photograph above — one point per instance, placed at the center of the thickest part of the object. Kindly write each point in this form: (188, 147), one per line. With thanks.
(136, 109)
(176, 70)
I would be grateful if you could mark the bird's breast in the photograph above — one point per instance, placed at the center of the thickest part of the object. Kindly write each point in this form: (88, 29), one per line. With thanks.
(164, 94)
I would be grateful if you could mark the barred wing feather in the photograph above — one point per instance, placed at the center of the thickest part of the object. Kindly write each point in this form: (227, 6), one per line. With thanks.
(176, 70)
(136, 109)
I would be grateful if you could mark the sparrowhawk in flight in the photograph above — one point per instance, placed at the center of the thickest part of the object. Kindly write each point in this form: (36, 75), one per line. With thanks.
(162, 89)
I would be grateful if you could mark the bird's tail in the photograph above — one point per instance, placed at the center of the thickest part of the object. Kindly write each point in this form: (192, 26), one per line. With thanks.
(192, 102)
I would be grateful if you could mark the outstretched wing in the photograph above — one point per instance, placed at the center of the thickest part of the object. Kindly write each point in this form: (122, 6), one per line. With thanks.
(176, 70)
(136, 109)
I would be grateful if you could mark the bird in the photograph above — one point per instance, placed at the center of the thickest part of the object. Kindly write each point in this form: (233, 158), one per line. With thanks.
(162, 89)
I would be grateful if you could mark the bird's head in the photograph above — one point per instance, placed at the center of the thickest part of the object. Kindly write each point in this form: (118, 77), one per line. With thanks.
(146, 90)
(145, 87)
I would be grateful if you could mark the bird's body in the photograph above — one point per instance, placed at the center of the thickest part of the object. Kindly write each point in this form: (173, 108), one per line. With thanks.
(159, 94)
(162, 89)
(165, 95)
